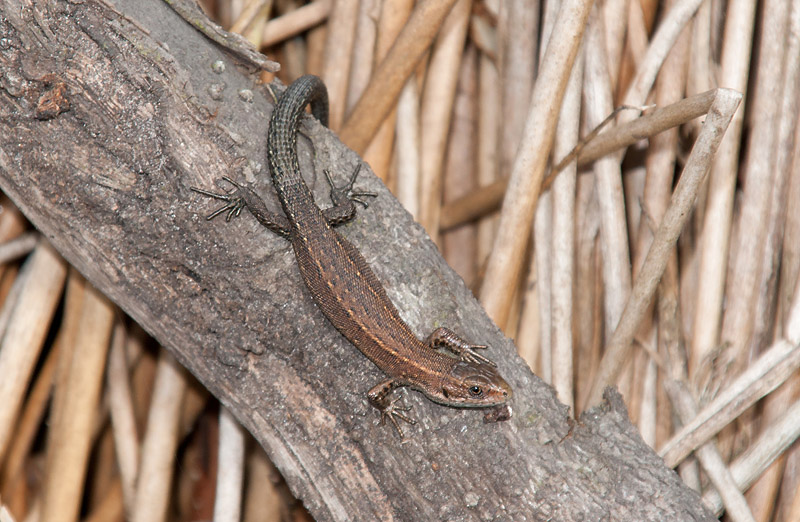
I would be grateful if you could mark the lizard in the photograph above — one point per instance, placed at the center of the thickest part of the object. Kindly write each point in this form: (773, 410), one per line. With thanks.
(342, 284)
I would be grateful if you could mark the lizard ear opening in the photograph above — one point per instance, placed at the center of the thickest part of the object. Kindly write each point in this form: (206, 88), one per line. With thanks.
(445, 393)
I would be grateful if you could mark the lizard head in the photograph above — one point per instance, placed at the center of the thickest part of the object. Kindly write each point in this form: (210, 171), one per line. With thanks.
(475, 385)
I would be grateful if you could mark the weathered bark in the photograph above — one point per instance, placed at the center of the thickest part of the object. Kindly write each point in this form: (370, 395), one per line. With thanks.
(107, 181)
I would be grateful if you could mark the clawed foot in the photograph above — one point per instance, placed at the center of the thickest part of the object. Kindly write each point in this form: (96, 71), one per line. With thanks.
(341, 194)
(446, 338)
(469, 354)
(235, 199)
(393, 413)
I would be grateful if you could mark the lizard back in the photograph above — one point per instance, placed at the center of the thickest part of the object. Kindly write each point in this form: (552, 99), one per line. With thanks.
(341, 282)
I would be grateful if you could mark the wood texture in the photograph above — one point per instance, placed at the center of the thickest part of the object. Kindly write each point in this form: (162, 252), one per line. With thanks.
(108, 182)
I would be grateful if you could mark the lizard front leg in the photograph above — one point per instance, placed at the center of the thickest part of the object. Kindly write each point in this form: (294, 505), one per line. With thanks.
(242, 197)
(379, 398)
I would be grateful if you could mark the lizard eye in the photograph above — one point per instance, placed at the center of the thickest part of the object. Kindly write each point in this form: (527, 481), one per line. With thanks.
(475, 391)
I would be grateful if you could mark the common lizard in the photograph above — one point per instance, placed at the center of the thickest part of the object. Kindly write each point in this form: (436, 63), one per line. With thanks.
(342, 284)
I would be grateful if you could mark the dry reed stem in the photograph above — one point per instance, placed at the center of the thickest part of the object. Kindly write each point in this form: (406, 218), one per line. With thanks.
(660, 166)
(615, 24)
(18, 247)
(230, 469)
(338, 57)
(710, 458)
(517, 57)
(760, 378)
(529, 333)
(255, 31)
(487, 198)
(12, 225)
(459, 172)
(563, 241)
(772, 442)
(608, 180)
(73, 307)
(160, 441)
(714, 242)
(764, 311)
(103, 467)
(5, 515)
(694, 172)
(315, 41)
(9, 303)
(671, 354)
(394, 14)
(762, 494)
(29, 423)
(383, 90)
(262, 501)
(34, 511)
(70, 436)
(109, 508)
(42, 278)
(788, 158)
(682, 401)
(741, 287)
(542, 291)
(793, 511)
(636, 40)
(505, 262)
(475, 204)
(248, 14)
(436, 111)
(665, 37)
(295, 22)
(587, 304)
(486, 160)
(790, 264)
(407, 148)
(363, 53)
(482, 33)
(700, 72)
(14, 478)
(123, 419)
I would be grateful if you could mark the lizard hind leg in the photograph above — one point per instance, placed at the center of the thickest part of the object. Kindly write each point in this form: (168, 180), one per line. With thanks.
(447, 338)
(343, 198)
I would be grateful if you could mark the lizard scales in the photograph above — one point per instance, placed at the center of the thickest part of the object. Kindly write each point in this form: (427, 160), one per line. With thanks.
(342, 284)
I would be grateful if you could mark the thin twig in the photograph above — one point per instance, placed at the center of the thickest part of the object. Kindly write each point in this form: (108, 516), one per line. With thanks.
(436, 112)
(771, 443)
(160, 442)
(488, 197)
(70, 436)
(675, 217)
(505, 262)
(18, 247)
(295, 22)
(382, 92)
(230, 472)
(42, 278)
